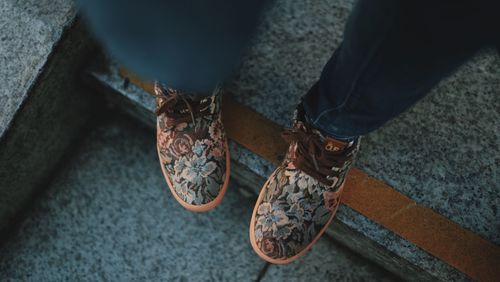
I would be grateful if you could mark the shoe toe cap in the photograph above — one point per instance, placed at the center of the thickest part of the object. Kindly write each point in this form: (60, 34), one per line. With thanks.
(198, 184)
(287, 220)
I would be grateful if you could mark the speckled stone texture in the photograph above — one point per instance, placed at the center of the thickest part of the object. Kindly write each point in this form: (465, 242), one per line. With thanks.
(108, 216)
(325, 263)
(444, 152)
(37, 90)
(50, 117)
(29, 30)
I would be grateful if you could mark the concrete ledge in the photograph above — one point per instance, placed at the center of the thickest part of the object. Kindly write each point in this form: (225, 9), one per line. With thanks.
(30, 30)
(45, 124)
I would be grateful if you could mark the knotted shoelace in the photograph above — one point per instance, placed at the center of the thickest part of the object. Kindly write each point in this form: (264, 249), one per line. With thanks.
(178, 108)
(312, 158)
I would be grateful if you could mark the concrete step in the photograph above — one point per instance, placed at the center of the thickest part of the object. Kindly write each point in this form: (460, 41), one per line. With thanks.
(108, 216)
(425, 154)
(42, 109)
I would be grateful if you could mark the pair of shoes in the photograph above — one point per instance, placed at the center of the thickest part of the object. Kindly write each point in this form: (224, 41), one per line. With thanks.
(295, 205)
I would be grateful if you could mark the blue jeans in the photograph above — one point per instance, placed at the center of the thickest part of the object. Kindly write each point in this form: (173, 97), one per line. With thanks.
(392, 54)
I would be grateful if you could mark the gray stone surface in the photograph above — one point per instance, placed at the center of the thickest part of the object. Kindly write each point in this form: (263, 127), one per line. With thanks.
(444, 152)
(44, 126)
(29, 30)
(108, 216)
(325, 263)
(36, 93)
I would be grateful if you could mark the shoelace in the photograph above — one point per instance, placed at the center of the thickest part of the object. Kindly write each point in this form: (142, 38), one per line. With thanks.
(177, 112)
(311, 157)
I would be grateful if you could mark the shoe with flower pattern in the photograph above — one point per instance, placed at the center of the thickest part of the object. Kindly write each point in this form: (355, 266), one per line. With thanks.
(301, 197)
(192, 147)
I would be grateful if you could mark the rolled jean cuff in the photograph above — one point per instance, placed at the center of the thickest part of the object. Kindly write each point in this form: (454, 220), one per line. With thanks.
(327, 128)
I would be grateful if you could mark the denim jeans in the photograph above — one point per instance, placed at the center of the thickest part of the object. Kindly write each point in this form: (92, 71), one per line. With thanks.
(191, 45)
(393, 52)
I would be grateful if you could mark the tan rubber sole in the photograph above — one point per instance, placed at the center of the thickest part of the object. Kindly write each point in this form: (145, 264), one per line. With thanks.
(295, 257)
(205, 207)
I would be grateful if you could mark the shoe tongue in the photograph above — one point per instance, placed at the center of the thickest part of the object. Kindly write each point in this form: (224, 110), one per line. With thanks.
(197, 103)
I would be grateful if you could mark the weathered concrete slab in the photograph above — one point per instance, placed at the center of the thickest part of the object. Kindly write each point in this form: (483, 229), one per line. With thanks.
(108, 216)
(41, 107)
(46, 120)
(29, 30)
(325, 263)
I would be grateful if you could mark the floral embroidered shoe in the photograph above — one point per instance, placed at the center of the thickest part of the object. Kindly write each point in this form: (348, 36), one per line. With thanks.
(301, 197)
(192, 147)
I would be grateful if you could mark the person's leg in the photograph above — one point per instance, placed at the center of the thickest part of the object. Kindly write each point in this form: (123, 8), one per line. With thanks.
(392, 54)
(187, 45)
(190, 46)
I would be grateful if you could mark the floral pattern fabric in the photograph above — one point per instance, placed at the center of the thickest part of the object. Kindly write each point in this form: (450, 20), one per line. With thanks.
(295, 207)
(194, 153)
